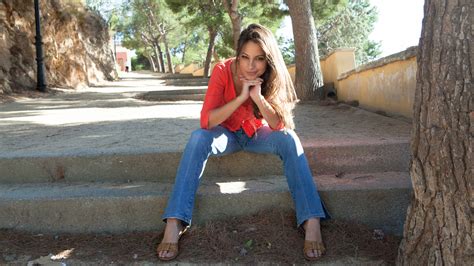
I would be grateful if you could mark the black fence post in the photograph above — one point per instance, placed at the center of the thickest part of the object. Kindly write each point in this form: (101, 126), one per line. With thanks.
(41, 80)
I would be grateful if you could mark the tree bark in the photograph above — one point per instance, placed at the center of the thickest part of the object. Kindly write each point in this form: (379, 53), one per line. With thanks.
(152, 63)
(161, 60)
(157, 56)
(210, 50)
(438, 227)
(232, 9)
(185, 44)
(168, 54)
(308, 69)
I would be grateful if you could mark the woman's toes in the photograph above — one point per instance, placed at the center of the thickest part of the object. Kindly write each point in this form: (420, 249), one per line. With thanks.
(314, 254)
(164, 254)
(317, 253)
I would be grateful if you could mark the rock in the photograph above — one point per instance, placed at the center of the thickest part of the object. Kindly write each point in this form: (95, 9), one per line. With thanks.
(76, 46)
(9, 257)
(45, 260)
(378, 234)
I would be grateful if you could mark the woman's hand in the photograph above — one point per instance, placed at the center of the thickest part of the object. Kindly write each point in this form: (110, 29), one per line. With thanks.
(251, 88)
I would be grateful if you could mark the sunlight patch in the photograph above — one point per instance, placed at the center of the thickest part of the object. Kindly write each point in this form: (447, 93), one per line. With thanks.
(232, 187)
(219, 144)
(63, 254)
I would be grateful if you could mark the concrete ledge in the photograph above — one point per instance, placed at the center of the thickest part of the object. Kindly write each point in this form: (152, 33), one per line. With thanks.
(379, 200)
(175, 95)
(187, 82)
(403, 55)
(341, 49)
(162, 166)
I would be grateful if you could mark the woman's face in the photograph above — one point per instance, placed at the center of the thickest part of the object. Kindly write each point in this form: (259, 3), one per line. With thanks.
(252, 61)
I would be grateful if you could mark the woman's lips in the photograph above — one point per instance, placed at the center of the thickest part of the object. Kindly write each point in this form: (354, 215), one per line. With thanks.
(251, 73)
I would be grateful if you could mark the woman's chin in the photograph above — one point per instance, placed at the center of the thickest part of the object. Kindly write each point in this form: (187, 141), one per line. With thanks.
(251, 77)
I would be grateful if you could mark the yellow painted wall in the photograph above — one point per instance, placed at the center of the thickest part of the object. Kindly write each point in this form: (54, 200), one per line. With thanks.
(389, 88)
(178, 68)
(200, 72)
(338, 61)
(189, 69)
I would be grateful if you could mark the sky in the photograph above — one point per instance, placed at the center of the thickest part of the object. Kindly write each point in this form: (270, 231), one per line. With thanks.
(398, 26)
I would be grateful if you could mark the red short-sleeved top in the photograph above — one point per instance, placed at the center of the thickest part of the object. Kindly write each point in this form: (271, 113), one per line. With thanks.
(220, 91)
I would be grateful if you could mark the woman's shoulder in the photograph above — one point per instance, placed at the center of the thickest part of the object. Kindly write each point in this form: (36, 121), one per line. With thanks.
(224, 64)
(223, 68)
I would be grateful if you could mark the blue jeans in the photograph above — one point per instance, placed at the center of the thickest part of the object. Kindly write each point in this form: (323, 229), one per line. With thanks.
(220, 141)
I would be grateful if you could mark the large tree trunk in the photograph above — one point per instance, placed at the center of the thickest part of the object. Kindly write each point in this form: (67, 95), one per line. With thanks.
(210, 50)
(152, 63)
(157, 56)
(438, 227)
(185, 44)
(161, 60)
(308, 69)
(236, 19)
(168, 54)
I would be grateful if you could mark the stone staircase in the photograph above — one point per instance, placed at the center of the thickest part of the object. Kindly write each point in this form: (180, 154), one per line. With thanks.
(359, 160)
(116, 175)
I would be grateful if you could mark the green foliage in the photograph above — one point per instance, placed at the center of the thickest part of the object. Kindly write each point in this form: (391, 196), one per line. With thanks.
(196, 47)
(267, 13)
(140, 63)
(108, 9)
(324, 9)
(287, 48)
(207, 13)
(349, 26)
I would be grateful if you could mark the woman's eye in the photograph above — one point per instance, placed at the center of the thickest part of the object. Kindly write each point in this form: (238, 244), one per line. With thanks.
(261, 58)
(244, 56)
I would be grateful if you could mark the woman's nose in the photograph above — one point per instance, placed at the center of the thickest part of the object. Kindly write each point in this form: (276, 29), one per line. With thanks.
(252, 63)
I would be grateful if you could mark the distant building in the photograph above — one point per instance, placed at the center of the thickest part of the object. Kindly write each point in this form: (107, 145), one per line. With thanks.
(124, 58)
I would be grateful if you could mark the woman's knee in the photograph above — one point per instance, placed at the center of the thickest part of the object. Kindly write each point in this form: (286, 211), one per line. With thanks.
(288, 141)
(200, 136)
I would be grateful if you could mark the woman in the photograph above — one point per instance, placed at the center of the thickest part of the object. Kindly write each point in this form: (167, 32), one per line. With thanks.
(249, 100)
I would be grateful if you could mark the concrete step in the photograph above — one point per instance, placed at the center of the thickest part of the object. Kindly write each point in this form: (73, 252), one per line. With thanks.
(46, 260)
(175, 95)
(379, 200)
(179, 76)
(161, 166)
(187, 82)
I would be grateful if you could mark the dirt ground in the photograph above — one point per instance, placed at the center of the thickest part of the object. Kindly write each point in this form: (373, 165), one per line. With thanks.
(269, 237)
(31, 94)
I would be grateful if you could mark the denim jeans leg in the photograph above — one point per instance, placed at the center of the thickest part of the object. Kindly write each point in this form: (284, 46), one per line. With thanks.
(202, 144)
(287, 146)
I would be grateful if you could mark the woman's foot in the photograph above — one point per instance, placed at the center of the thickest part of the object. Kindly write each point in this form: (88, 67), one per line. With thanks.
(168, 249)
(314, 247)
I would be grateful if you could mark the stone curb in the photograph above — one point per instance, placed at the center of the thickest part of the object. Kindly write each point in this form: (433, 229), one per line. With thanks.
(378, 200)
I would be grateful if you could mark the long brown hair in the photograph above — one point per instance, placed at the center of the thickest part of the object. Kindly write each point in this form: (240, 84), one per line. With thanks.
(277, 87)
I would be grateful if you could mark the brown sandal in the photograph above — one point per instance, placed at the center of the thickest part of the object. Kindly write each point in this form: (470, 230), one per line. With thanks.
(170, 247)
(313, 245)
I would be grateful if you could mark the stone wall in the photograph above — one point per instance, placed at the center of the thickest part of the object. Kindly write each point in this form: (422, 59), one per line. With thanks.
(386, 85)
(76, 45)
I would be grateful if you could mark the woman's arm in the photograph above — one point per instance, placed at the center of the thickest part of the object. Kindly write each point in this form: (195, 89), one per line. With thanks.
(267, 111)
(264, 106)
(220, 114)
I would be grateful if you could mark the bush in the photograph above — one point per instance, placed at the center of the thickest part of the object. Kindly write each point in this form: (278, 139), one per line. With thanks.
(140, 63)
